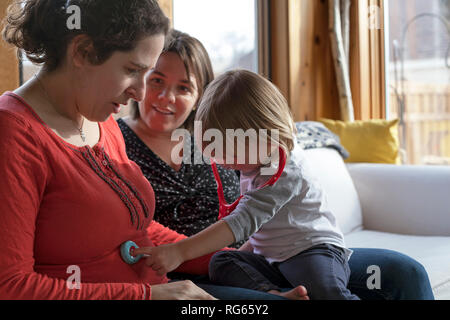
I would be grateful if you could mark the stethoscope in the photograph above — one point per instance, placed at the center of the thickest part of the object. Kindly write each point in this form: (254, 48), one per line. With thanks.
(126, 249)
(224, 208)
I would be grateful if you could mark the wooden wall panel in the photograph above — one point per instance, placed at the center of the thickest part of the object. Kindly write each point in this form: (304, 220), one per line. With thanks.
(367, 61)
(325, 91)
(302, 65)
(9, 64)
(279, 45)
(167, 7)
(301, 62)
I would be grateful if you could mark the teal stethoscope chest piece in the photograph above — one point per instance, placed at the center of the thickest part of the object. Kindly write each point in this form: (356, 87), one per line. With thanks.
(125, 249)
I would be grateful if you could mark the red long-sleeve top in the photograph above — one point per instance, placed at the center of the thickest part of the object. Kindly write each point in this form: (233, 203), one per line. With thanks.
(63, 205)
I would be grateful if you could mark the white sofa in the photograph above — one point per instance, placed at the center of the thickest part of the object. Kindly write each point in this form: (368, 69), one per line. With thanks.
(402, 208)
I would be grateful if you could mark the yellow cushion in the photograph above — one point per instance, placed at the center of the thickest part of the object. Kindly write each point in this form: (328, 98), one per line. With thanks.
(368, 141)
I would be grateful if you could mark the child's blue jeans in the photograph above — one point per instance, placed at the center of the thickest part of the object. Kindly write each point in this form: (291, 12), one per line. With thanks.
(322, 269)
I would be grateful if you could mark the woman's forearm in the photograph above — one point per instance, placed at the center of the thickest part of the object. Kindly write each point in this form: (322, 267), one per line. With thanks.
(213, 238)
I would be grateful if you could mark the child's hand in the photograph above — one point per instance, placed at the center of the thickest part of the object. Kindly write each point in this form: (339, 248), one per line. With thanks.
(162, 259)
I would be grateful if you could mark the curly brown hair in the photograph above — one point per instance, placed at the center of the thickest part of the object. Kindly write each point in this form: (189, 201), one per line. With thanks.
(39, 27)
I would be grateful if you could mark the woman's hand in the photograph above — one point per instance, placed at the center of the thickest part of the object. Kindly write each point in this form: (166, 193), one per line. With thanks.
(162, 259)
(179, 290)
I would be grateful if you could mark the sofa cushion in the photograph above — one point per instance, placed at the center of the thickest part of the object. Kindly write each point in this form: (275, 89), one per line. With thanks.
(331, 172)
(432, 252)
(407, 199)
(374, 140)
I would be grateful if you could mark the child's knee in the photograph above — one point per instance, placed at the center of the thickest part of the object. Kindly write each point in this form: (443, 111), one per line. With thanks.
(218, 262)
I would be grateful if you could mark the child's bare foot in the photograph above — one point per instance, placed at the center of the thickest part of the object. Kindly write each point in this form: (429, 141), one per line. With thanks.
(298, 293)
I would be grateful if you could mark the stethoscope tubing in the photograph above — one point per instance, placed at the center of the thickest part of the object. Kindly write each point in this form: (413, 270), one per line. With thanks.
(224, 208)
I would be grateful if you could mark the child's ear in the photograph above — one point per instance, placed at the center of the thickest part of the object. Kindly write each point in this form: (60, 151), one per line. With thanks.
(81, 51)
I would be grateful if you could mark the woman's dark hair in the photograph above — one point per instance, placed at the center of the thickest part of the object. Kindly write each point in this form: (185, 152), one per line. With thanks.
(40, 28)
(196, 61)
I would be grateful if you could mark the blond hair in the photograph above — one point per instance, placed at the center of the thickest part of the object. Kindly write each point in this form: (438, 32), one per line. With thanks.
(240, 99)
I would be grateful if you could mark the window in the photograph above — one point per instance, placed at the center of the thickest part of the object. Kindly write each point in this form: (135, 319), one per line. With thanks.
(419, 77)
(227, 29)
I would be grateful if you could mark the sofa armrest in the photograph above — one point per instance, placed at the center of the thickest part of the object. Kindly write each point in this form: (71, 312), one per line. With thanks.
(403, 199)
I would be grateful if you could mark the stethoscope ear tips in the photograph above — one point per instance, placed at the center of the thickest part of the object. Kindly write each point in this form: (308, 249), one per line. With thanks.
(125, 249)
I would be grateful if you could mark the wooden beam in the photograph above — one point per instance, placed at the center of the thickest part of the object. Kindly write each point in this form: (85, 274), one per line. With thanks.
(167, 8)
(301, 61)
(263, 31)
(367, 62)
(377, 63)
(279, 44)
(306, 103)
(9, 63)
(325, 87)
(291, 37)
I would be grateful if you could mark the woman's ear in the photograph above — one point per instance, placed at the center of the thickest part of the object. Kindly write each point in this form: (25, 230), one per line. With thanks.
(81, 51)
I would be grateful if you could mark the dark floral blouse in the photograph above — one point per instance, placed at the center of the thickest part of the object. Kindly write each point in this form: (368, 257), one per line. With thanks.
(186, 200)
